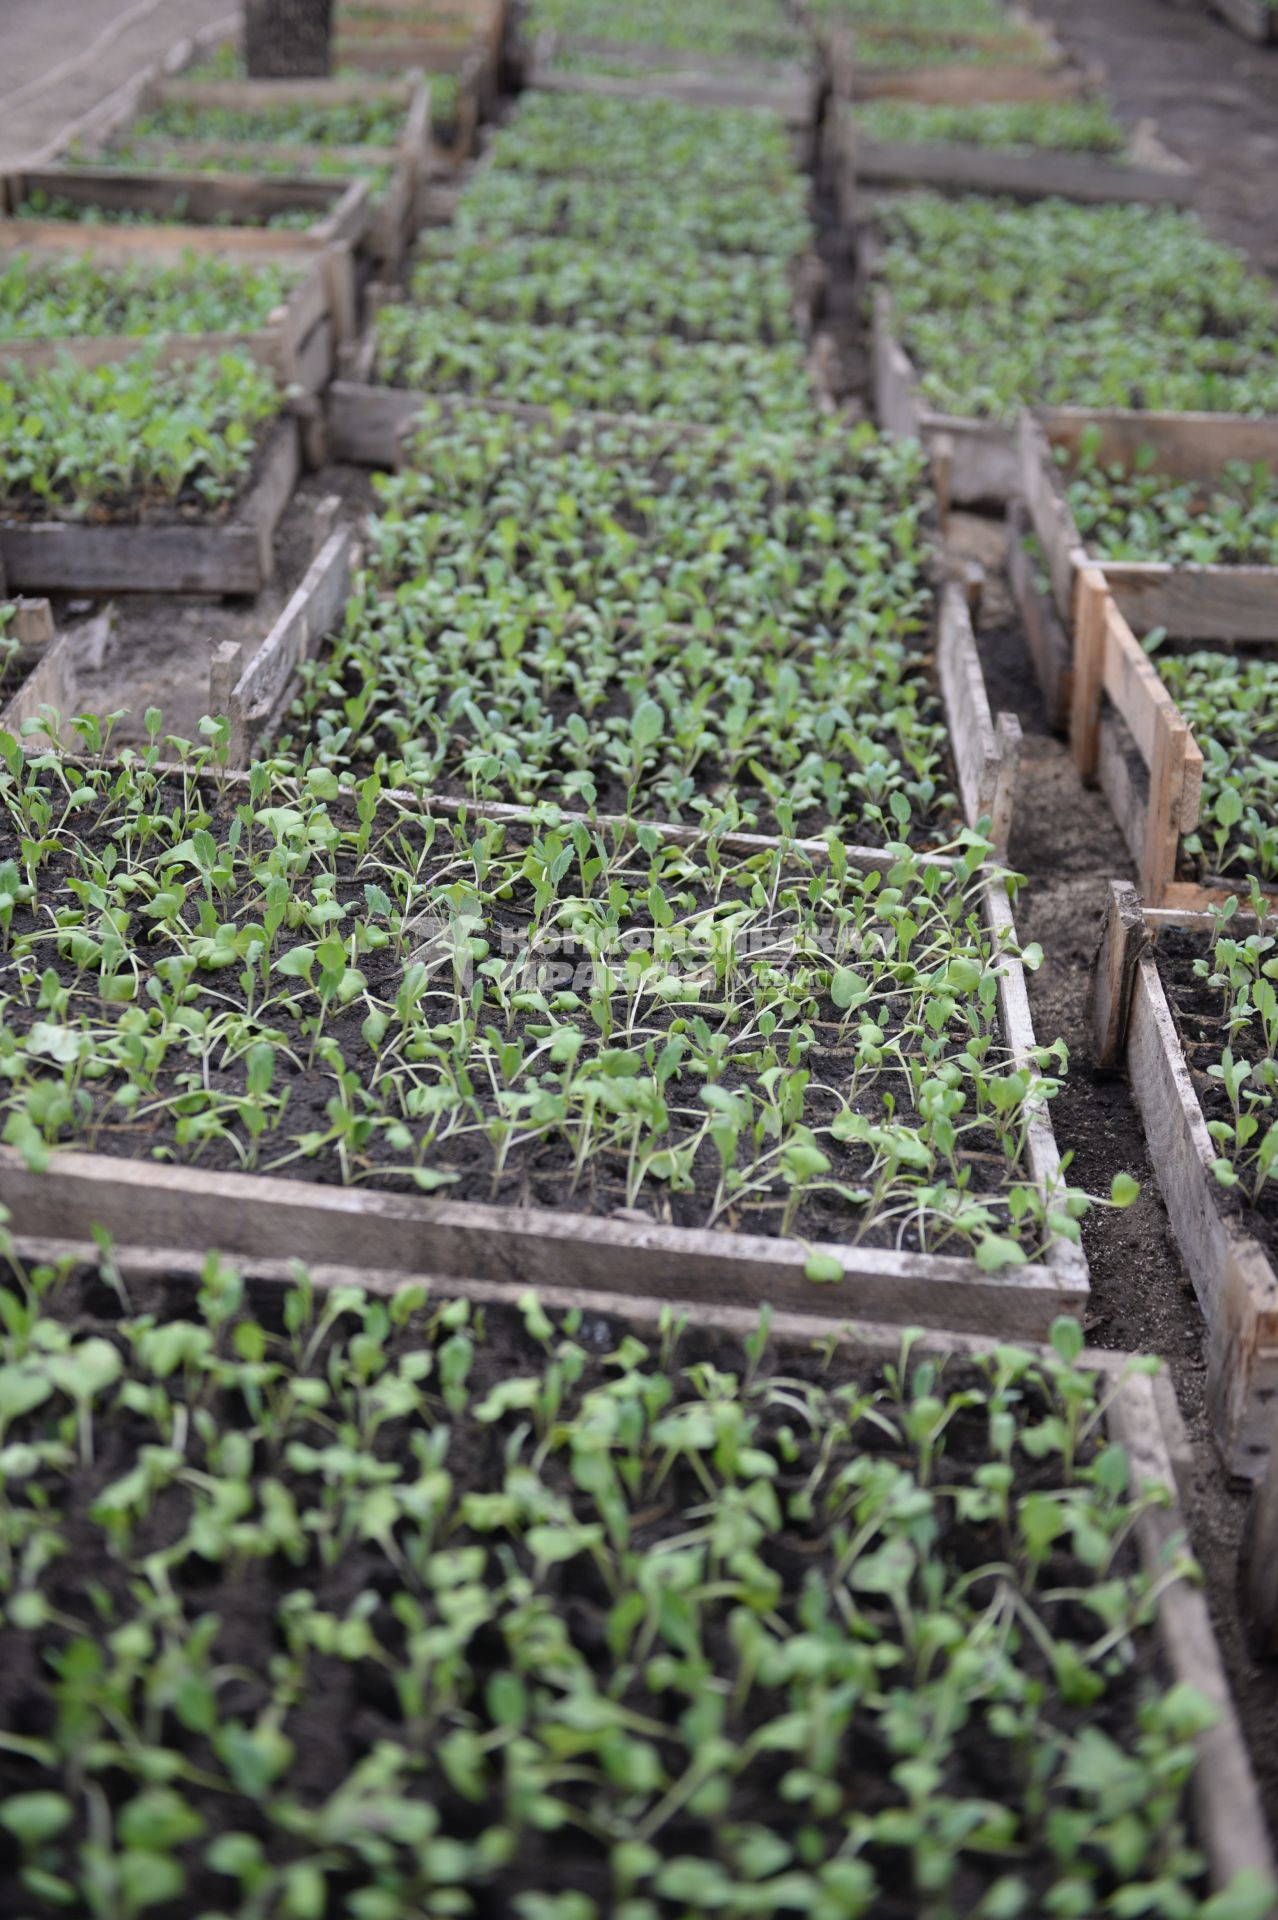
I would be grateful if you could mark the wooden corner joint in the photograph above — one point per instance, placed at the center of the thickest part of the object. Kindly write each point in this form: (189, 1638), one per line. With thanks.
(1124, 938)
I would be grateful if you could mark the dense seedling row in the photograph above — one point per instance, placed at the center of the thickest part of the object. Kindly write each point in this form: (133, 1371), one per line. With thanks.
(61, 298)
(686, 1624)
(1082, 126)
(341, 164)
(351, 123)
(754, 31)
(631, 216)
(1230, 700)
(648, 139)
(669, 288)
(595, 1020)
(698, 626)
(950, 16)
(113, 441)
(1135, 512)
(1003, 306)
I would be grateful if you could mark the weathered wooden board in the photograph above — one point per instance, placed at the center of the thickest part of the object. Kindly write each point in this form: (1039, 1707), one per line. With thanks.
(260, 691)
(235, 555)
(1024, 173)
(1049, 644)
(773, 90)
(1191, 602)
(1258, 1562)
(986, 751)
(983, 463)
(47, 666)
(1231, 1273)
(1108, 660)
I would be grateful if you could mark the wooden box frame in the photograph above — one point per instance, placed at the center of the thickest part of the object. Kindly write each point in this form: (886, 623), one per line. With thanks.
(251, 1215)
(1191, 602)
(298, 342)
(50, 680)
(1231, 1272)
(692, 80)
(1142, 1417)
(978, 458)
(1024, 174)
(232, 555)
(393, 219)
(1048, 76)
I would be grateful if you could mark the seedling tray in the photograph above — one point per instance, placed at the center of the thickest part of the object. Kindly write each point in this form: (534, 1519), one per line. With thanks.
(140, 1201)
(1035, 69)
(1190, 602)
(693, 81)
(1232, 1273)
(45, 667)
(1050, 647)
(298, 342)
(1023, 173)
(232, 555)
(1140, 1418)
(202, 207)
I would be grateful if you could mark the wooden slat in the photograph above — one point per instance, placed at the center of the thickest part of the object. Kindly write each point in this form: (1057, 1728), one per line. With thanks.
(962, 86)
(983, 462)
(796, 105)
(1048, 643)
(1231, 1273)
(266, 683)
(1089, 671)
(1258, 1565)
(50, 681)
(1028, 174)
(986, 755)
(1124, 938)
(256, 96)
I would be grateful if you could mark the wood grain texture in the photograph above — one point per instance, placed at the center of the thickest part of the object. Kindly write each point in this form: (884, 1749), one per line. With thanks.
(1231, 1274)
(981, 455)
(265, 686)
(1258, 1562)
(1123, 939)
(1045, 635)
(986, 754)
(1026, 174)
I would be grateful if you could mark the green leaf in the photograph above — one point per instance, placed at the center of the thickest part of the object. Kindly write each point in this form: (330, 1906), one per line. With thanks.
(1123, 1190)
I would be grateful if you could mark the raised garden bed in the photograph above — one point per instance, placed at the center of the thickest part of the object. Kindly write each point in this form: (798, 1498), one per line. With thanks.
(568, 66)
(949, 68)
(1159, 482)
(37, 668)
(658, 140)
(192, 125)
(368, 1582)
(195, 512)
(1151, 1010)
(153, 297)
(1103, 318)
(540, 1195)
(1026, 170)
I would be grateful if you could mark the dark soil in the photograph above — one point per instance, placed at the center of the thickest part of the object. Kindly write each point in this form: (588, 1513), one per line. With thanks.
(338, 1709)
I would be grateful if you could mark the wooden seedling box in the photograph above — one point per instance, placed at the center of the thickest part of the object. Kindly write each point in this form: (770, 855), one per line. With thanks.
(1023, 173)
(1142, 751)
(230, 555)
(202, 209)
(1191, 602)
(393, 219)
(1232, 1273)
(1050, 647)
(978, 458)
(986, 748)
(1141, 1417)
(298, 342)
(1252, 18)
(143, 1203)
(1258, 1561)
(45, 661)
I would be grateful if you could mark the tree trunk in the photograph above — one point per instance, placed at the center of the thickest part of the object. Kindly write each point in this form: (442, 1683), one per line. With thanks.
(288, 39)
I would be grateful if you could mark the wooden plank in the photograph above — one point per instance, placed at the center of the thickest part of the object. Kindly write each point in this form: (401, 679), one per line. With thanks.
(1048, 643)
(1024, 174)
(986, 755)
(254, 1215)
(962, 86)
(1089, 668)
(1258, 1563)
(796, 105)
(1251, 18)
(232, 556)
(1197, 602)
(200, 199)
(1123, 778)
(50, 681)
(1050, 514)
(256, 96)
(983, 464)
(1124, 938)
(1230, 1272)
(265, 685)
(1145, 1421)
